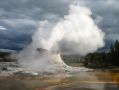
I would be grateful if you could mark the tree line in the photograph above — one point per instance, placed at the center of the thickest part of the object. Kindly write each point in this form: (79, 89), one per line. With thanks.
(110, 58)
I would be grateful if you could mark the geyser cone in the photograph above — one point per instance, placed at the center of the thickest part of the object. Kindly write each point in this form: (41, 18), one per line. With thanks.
(53, 57)
(44, 61)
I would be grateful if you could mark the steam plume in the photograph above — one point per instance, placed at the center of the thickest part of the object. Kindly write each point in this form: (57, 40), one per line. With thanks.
(75, 33)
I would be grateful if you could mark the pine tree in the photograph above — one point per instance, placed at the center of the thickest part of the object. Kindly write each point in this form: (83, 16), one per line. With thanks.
(114, 53)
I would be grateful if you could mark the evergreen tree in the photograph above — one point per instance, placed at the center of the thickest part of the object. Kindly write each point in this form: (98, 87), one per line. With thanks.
(114, 53)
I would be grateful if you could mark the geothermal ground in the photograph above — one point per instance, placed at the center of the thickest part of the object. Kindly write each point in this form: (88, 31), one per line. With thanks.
(53, 74)
(13, 78)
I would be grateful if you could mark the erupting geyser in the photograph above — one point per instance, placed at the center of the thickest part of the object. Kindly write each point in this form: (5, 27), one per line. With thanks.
(76, 33)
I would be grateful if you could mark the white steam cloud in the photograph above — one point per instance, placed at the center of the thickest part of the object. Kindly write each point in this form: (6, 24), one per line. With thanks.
(76, 33)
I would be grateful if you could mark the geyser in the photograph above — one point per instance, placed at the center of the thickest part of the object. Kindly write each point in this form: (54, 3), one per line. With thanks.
(75, 33)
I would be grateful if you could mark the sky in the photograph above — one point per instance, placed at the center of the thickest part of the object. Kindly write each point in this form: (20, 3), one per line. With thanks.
(19, 19)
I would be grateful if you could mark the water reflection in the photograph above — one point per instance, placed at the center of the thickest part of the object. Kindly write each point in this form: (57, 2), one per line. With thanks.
(96, 80)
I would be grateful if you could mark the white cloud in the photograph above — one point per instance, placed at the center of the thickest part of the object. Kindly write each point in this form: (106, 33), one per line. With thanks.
(2, 28)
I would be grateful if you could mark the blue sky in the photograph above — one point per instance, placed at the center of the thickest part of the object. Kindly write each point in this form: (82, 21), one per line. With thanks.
(19, 19)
